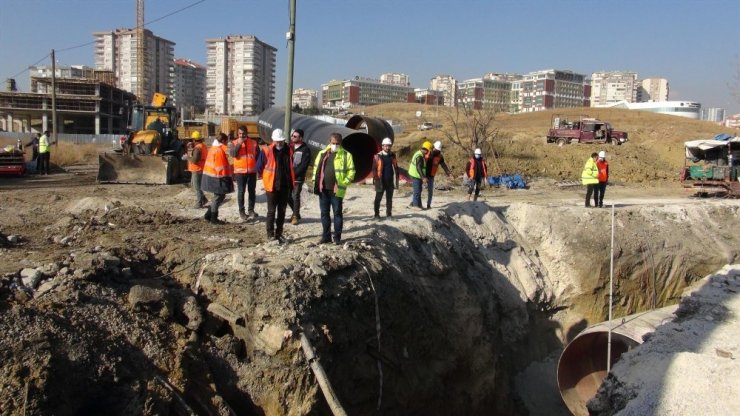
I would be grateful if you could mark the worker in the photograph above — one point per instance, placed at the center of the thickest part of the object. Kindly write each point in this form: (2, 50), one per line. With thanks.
(476, 171)
(301, 162)
(34, 143)
(217, 177)
(603, 167)
(385, 177)
(334, 171)
(276, 168)
(434, 161)
(245, 151)
(417, 172)
(590, 178)
(196, 155)
(42, 166)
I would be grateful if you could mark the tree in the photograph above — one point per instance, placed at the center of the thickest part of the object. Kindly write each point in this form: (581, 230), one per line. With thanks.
(471, 129)
(297, 108)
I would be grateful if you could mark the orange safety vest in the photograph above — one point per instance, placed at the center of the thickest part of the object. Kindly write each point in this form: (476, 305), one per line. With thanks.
(217, 163)
(435, 164)
(246, 159)
(198, 166)
(471, 171)
(268, 174)
(379, 166)
(603, 170)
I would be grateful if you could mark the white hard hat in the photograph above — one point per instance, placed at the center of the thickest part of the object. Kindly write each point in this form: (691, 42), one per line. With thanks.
(438, 145)
(477, 152)
(277, 135)
(602, 154)
(388, 141)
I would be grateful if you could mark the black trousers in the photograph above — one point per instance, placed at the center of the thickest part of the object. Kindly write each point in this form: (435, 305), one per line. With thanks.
(295, 199)
(43, 163)
(276, 201)
(388, 191)
(599, 194)
(592, 189)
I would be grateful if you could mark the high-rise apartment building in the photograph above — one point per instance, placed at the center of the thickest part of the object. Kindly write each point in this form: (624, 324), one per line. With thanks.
(488, 93)
(653, 89)
(189, 92)
(448, 86)
(395, 78)
(713, 114)
(116, 51)
(240, 75)
(612, 87)
(552, 88)
(363, 91)
(305, 98)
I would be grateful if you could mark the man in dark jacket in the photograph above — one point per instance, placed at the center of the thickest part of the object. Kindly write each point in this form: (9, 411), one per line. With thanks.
(434, 161)
(385, 178)
(301, 162)
(34, 143)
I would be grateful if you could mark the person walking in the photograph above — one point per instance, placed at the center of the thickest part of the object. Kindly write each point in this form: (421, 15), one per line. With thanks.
(603, 167)
(244, 151)
(276, 168)
(44, 156)
(590, 178)
(334, 171)
(385, 178)
(476, 171)
(217, 179)
(434, 161)
(301, 161)
(196, 155)
(417, 172)
(34, 143)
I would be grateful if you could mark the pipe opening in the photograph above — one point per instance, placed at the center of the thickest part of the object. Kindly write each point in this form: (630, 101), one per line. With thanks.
(363, 148)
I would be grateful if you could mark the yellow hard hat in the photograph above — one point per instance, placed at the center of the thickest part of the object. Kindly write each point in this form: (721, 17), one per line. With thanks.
(427, 145)
(195, 135)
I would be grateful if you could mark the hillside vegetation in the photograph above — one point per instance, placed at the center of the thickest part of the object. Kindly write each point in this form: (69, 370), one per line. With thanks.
(654, 151)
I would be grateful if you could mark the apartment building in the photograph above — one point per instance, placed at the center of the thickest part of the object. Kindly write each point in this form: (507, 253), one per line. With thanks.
(240, 75)
(363, 91)
(653, 89)
(116, 51)
(305, 98)
(395, 78)
(448, 86)
(189, 92)
(428, 96)
(610, 87)
(553, 88)
(713, 114)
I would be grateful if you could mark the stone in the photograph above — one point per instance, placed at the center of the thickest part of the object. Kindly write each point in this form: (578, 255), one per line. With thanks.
(30, 277)
(192, 311)
(140, 295)
(13, 239)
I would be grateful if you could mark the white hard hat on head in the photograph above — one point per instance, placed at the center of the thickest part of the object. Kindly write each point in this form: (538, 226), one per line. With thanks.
(277, 135)
(477, 152)
(438, 145)
(387, 141)
(602, 154)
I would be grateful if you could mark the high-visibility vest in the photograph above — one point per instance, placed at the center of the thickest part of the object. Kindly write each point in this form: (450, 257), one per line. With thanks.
(43, 144)
(198, 166)
(590, 174)
(268, 174)
(603, 166)
(344, 170)
(246, 159)
(217, 163)
(413, 171)
(471, 170)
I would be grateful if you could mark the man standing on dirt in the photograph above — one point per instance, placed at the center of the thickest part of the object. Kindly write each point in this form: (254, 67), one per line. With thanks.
(245, 150)
(476, 171)
(434, 161)
(590, 178)
(385, 178)
(34, 143)
(603, 167)
(301, 162)
(276, 168)
(417, 172)
(197, 152)
(42, 165)
(334, 171)
(217, 177)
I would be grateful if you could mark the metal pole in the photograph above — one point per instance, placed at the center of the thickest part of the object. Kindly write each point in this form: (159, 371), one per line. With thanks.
(54, 98)
(290, 36)
(611, 294)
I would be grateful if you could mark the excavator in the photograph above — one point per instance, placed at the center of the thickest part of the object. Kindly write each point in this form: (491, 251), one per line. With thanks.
(151, 153)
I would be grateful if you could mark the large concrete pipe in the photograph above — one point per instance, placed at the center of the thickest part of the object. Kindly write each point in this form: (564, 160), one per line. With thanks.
(316, 133)
(376, 127)
(582, 365)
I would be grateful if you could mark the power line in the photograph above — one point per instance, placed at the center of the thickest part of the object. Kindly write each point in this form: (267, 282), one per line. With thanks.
(33, 64)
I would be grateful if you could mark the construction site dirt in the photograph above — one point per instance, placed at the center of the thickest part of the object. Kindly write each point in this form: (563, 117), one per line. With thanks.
(121, 299)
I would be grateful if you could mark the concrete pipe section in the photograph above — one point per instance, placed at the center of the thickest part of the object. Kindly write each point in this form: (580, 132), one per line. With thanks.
(582, 365)
(376, 127)
(316, 133)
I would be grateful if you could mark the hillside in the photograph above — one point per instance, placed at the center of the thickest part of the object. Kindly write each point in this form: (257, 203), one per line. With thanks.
(654, 152)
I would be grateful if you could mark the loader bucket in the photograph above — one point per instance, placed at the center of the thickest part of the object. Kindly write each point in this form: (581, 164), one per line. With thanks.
(137, 169)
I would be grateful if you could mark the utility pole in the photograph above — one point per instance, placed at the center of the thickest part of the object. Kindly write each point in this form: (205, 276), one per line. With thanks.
(140, 88)
(54, 98)
(290, 36)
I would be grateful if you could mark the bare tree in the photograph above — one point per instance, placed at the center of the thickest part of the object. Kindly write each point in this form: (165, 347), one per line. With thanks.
(471, 129)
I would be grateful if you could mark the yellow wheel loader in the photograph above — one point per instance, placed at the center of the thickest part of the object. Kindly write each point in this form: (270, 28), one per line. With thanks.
(151, 153)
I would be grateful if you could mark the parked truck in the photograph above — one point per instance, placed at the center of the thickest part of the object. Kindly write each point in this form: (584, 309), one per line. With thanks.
(584, 130)
(713, 166)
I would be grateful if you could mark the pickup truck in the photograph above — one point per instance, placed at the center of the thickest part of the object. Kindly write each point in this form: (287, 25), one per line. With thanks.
(585, 130)
(426, 126)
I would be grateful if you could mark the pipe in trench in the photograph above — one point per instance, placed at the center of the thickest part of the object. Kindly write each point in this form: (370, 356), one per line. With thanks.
(361, 145)
(582, 365)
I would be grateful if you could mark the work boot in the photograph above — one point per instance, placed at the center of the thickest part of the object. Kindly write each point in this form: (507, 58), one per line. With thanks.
(252, 215)
(294, 220)
(207, 215)
(204, 203)
(215, 221)
(243, 215)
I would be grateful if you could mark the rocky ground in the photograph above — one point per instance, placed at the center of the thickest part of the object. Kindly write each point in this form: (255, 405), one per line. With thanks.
(120, 299)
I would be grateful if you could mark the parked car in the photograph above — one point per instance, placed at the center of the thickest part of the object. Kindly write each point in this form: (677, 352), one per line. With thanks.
(426, 126)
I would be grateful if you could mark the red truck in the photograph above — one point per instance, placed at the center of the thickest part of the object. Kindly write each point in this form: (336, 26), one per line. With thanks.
(12, 160)
(585, 130)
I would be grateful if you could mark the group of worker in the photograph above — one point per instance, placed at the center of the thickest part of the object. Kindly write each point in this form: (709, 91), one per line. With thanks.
(595, 176)
(41, 152)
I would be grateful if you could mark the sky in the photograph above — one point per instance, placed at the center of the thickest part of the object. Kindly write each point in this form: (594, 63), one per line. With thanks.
(695, 44)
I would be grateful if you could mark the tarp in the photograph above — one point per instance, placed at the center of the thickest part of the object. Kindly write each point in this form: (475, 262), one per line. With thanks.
(510, 182)
(723, 137)
(696, 149)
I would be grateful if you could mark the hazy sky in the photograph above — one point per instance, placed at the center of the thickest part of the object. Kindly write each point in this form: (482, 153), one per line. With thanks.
(693, 44)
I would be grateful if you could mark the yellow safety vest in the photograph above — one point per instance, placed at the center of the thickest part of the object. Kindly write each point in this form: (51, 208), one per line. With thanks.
(43, 144)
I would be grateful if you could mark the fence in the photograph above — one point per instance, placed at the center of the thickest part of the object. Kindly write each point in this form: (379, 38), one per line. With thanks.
(69, 138)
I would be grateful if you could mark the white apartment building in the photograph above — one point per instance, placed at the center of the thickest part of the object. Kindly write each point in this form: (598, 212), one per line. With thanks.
(713, 114)
(448, 86)
(189, 92)
(116, 51)
(240, 75)
(653, 89)
(395, 78)
(551, 88)
(613, 86)
(305, 98)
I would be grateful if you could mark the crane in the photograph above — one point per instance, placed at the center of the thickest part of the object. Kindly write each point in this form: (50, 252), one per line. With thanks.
(140, 81)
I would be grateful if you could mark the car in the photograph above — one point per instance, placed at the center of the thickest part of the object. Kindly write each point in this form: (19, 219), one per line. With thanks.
(426, 126)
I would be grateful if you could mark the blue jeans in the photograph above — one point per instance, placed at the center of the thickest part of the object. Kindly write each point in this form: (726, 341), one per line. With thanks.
(329, 199)
(430, 190)
(416, 195)
(246, 181)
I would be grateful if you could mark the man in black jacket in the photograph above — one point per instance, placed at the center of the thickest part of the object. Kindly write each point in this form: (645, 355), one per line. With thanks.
(301, 162)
